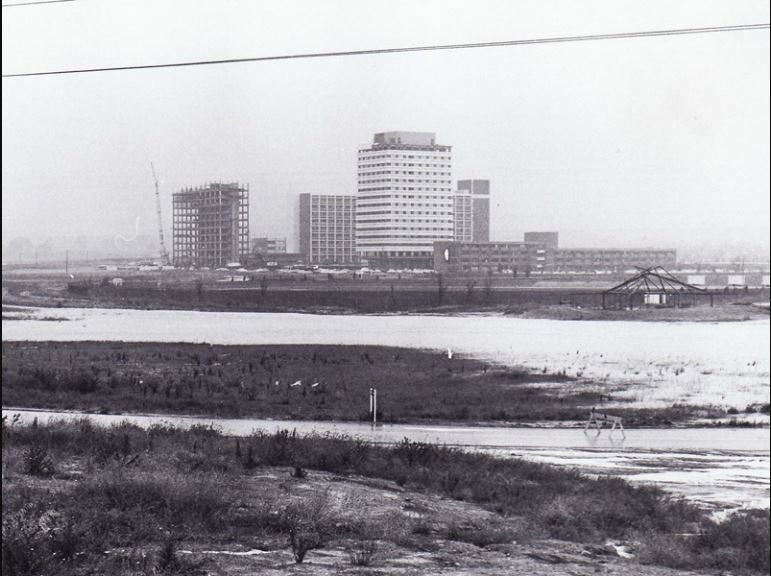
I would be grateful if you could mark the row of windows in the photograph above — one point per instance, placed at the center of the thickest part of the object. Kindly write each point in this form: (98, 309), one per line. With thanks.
(437, 216)
(367, 168)
(416, 238)
(332, 209)
(332, 221)
(364, 182)
(414, 232)
(443, 197)
(386, 155)
(407, 188)
(364, 223)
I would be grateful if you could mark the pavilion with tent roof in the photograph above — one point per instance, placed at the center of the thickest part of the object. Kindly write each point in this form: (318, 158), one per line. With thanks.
(653, 287)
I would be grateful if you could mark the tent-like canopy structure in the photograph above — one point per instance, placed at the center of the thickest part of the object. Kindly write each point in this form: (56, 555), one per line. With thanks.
(654, 280)
(653, 286)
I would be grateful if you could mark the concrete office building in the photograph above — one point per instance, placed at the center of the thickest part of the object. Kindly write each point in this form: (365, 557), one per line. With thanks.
(266, 245)
(327, 228)
(611, 259)
(210, 225)
(484, 257)
(551, 239)
(405, 199)
(540, 253)
(472, 211)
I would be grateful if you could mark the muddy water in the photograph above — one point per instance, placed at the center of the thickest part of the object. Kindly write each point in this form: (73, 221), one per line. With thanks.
(714, 466)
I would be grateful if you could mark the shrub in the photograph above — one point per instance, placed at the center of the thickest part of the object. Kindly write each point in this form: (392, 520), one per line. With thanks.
(38, 541)
(169, 563)
(307, 523)
(23, 543)
(480, 535)
(37, 462)
(363, 552)
(740, 543)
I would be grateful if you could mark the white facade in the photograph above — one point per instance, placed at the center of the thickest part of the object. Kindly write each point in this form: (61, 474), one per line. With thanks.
(463, 216)
(405, 196)
(327, 234)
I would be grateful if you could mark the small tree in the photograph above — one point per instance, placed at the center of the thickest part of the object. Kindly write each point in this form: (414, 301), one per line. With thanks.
(307, 521)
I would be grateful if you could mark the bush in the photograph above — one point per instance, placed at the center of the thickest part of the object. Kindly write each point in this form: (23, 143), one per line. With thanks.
(37, 462)
(307, 523)
(740, 543)
(481, 535)
(37, 541)
(363, 552)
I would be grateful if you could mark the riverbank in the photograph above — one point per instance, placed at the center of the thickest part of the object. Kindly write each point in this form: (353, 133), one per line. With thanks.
(184, 502)
(312, 382)
(528, 298)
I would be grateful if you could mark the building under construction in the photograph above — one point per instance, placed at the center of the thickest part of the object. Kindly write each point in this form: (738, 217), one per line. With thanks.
(211, 225)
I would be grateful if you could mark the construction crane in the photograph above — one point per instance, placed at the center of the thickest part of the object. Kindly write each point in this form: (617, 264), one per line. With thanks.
(164, 252)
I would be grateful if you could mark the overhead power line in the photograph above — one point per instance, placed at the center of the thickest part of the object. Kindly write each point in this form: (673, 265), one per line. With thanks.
(554, 40)
(17, 4)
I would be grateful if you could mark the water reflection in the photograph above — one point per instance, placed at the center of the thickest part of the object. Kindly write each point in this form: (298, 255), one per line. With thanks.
(615, 440)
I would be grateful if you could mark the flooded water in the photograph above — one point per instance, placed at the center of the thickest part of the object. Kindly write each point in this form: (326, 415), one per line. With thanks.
(645, 363)
(715, 466)
(663, 363)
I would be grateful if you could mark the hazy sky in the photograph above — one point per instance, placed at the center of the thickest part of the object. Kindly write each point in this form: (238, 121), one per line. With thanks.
(653, 141)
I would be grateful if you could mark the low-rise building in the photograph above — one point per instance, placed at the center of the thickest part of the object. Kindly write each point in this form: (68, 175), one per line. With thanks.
(484, 257)
(540, 253)
(266, 245)
(611, 259)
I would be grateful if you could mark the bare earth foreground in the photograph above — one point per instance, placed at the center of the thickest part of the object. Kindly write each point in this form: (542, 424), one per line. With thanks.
(430, 553)
(80, 499)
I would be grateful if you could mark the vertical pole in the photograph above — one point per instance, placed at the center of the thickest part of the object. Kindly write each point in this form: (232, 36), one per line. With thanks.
(374, 406)
(370, 401)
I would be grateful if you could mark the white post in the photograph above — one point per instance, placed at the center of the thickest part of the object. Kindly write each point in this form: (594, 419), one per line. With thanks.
(374, 406)
(370, 400)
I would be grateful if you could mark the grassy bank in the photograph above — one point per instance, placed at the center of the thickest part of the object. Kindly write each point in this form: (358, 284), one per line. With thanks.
(296, 382)
(79, 499)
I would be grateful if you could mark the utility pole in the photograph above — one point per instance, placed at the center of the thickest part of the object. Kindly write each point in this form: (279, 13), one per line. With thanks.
(373, 404)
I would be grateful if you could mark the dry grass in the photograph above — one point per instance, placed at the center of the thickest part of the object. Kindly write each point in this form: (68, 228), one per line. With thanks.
(127, 488)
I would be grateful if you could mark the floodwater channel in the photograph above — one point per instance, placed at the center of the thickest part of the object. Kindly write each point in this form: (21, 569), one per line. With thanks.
(717, 467)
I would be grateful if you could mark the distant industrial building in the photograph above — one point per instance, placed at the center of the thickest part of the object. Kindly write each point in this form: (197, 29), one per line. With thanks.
(471, 211)
(611, 259)
(211, 225)
(265, 245)
(550, 239)
(327, 228)
(405, 199)
(540, 252)
(484, 257)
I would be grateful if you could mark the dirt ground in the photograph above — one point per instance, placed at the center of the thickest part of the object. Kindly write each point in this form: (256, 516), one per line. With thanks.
(431, 552)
